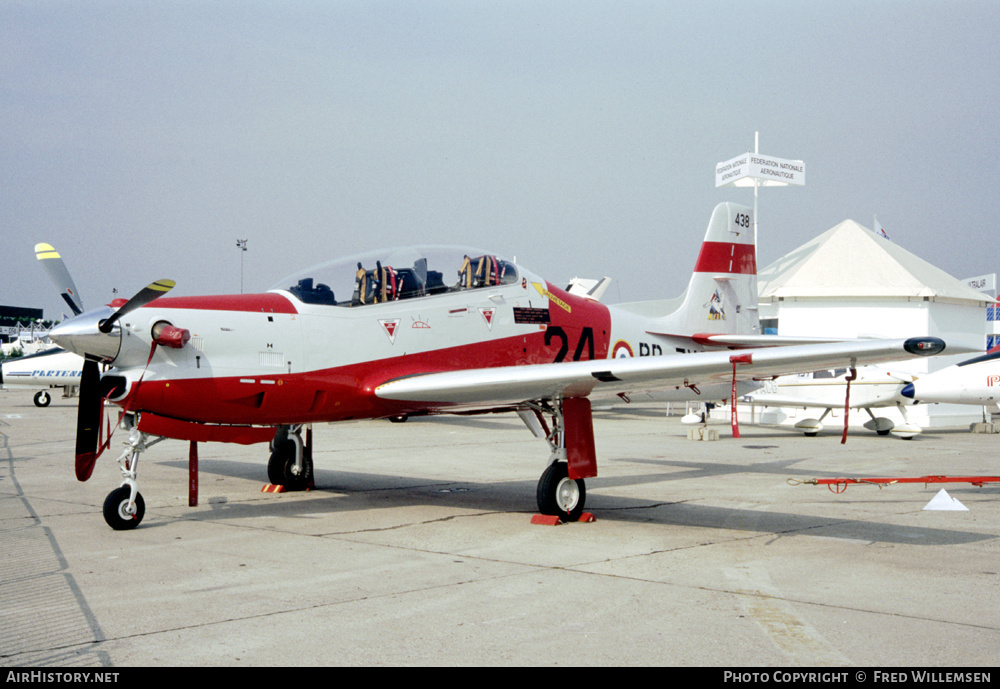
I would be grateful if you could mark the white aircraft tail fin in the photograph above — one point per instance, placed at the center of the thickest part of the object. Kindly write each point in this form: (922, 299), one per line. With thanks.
(721, 297)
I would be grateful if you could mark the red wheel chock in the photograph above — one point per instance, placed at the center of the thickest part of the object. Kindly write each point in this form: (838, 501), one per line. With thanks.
(553, 520)
(272, 488)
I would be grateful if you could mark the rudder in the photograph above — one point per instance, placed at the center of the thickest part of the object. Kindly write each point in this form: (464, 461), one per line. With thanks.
(721, 297)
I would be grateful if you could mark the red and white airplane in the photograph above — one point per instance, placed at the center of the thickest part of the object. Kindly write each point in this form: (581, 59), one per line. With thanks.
(421, 330)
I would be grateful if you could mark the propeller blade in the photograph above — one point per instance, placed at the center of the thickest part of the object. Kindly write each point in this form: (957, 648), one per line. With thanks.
(153, 290)
(88, 419)
(53, 265)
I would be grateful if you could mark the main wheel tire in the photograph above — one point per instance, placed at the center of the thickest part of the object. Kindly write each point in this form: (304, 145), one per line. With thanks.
(559, 495)
(281, 468)
(42, 398)
(114, 509)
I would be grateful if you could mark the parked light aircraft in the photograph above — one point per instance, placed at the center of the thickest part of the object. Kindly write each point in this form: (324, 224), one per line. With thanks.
(53, 367)
(49, 368)
(420, 330)
(976, 381)
(871, 387)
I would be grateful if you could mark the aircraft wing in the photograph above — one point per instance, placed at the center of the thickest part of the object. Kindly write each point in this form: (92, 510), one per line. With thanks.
(509, 385)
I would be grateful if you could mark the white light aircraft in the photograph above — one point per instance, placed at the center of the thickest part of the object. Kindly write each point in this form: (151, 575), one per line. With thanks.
(53, 367)
(976, 381)
(871, 387)
(50, 368)
(419, 330)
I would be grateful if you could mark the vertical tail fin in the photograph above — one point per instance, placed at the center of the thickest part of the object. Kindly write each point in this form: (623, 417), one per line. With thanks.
(721, 297)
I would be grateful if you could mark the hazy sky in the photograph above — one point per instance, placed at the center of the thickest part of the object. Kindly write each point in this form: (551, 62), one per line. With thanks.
(142, 139)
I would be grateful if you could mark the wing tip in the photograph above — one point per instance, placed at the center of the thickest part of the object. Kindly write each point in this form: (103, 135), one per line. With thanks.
(924, 346)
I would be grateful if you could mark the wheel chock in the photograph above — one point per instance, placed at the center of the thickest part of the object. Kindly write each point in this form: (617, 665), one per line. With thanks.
(546, 520)
(553, 520)
(271, 488)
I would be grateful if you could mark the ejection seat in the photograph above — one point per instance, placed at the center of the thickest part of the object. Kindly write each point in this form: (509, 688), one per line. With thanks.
(307, 294)
(481, 271)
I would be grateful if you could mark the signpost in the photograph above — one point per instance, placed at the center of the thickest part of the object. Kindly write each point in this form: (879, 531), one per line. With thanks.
(756, 170)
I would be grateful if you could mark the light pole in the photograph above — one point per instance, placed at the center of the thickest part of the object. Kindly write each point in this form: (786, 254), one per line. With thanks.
(241, 244)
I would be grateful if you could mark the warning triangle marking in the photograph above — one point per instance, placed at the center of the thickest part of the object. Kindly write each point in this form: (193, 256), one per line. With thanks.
(487, 316)
(389, 326)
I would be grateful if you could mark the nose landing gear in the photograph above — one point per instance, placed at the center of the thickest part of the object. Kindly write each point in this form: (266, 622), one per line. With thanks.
(124, 507)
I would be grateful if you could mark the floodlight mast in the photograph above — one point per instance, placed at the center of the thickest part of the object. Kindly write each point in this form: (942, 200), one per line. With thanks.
(242, 245)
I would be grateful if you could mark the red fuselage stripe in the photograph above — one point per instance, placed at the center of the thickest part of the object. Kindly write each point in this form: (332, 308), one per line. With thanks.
(726, 257)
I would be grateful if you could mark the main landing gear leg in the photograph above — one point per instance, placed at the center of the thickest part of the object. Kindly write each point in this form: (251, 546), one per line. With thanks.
(291, 462)
(561, 490)
(124, 506)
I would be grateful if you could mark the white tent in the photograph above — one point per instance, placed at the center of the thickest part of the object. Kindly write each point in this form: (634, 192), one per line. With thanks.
(850, 282)
(851, 261)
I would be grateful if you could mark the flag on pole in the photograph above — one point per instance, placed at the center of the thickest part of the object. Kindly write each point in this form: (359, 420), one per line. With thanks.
(880, 231)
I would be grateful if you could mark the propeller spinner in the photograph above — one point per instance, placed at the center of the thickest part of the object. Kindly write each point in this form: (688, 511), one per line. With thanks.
(96, 336)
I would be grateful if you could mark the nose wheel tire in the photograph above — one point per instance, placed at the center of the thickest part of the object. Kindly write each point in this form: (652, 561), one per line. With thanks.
(281, 468)
(42, 398)
(116, 506)
(559, 495)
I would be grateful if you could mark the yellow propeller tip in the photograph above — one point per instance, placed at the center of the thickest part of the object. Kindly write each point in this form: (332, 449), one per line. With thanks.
(43, 251)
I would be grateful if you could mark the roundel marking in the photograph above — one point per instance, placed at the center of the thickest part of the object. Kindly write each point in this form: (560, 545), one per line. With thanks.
(622, 350)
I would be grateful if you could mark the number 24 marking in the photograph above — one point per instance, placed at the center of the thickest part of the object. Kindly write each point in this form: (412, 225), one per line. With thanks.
(586, 340)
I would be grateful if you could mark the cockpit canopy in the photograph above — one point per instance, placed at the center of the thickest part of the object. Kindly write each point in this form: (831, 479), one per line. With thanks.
(392, 274)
